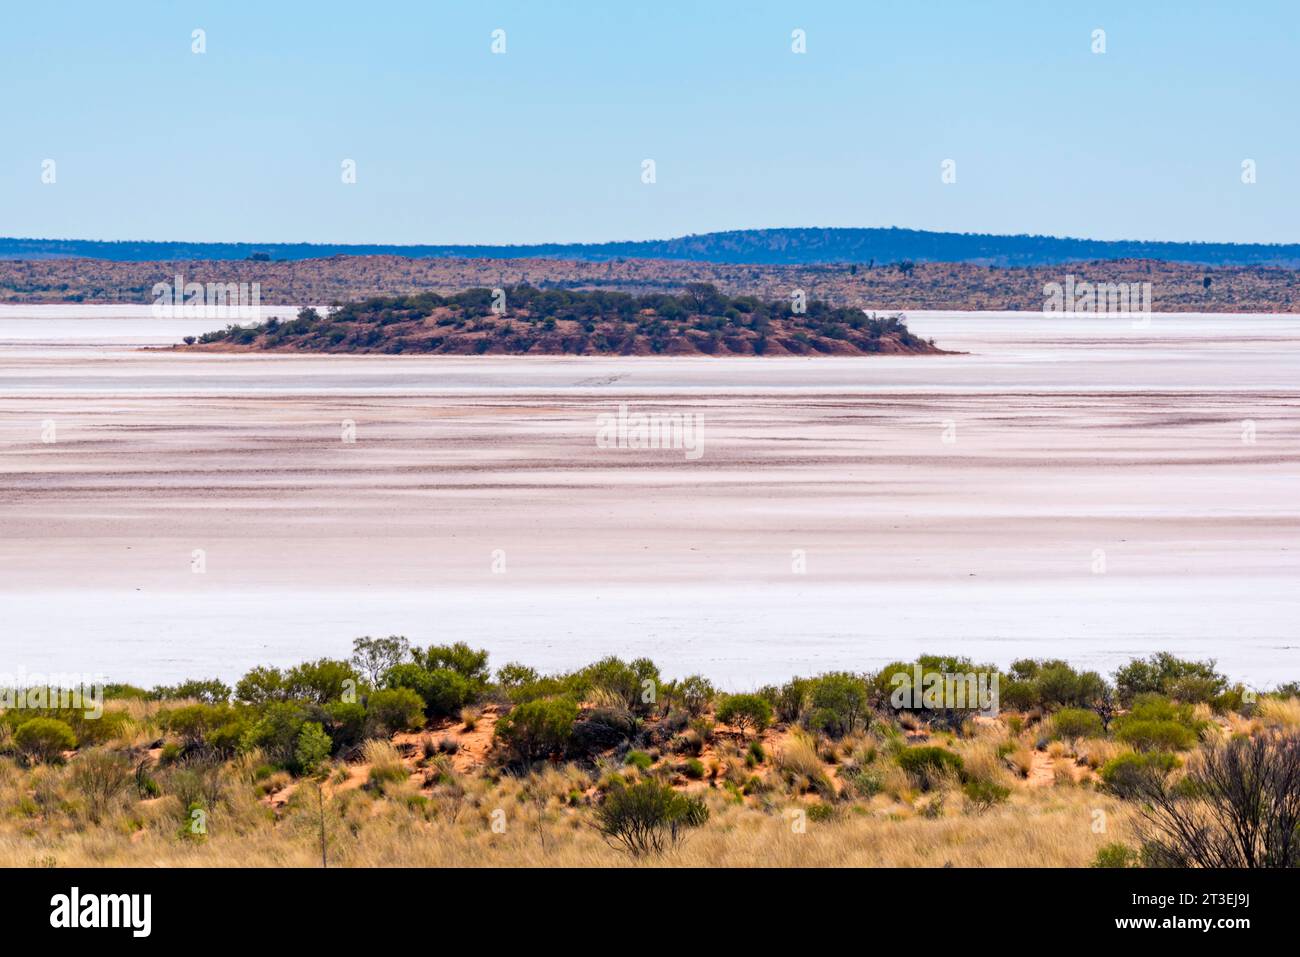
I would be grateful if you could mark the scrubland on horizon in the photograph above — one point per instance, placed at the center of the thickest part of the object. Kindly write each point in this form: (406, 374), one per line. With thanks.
(885, 286)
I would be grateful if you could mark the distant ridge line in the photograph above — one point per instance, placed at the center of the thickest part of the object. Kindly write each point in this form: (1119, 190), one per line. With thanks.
(784, 246)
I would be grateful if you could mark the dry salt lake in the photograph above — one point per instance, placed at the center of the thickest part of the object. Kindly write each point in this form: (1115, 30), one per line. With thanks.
(1077, 488)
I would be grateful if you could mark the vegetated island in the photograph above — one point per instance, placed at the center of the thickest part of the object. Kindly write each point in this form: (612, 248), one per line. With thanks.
(523, 320)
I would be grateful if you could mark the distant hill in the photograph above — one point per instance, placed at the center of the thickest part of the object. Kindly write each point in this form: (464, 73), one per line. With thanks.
(802, 246)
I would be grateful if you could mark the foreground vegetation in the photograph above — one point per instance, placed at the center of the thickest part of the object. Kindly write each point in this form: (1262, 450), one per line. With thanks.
(521, 319)
(425, 756)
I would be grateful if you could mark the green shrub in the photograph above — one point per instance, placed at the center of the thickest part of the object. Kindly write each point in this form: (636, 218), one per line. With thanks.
(469, 663)
(512, 676)
(390, 710)
(322, 681)
(346, 722)
(639, 759)
(839, 703)
(821, 813)
(276, 732)
(537, 729)
(1156, 735)
(1195, 689)
(225, 740)
(1165, 674)
(1233, 699)
(862, 782)
(1059, 685)
(260, 686)
(100, 777)
(1126, 774)
(693, 769)
(696, 694)
(89, 730)
(1076, 723)
(44, 739)
(1116, 855)
(146, 786)
(381, 774)
(313, 747)
(602, 729)
(1016, 695)
(944, 694)
(648, 817)
(1049, 684)
(194, 723)
(791, 700)
(196, 785)
(745, 711)
(928, 764)
(443, 690)
(1157, 724)
(206, 691)
(635, 683)
(982, 795)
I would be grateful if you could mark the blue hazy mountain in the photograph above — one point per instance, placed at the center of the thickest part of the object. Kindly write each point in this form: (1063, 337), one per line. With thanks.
(795, 246)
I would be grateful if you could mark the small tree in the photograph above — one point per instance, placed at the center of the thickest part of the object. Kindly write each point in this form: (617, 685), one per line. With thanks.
(696, 692)
(372, 657)
(648, 817)
(744, 711)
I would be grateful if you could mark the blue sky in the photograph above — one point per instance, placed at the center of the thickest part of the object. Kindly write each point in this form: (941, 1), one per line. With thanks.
(545, 143)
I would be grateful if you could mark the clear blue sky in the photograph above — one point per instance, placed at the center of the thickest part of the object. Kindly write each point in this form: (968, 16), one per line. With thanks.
(545, 143)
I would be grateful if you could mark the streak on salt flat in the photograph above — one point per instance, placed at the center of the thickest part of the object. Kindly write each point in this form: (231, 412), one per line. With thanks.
(1072, 435)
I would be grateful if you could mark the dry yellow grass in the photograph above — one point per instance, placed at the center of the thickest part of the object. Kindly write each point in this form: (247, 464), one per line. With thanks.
(982, 763)
(1279, 712)
(1021, 761)
(364, 830)
(1095, 752)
